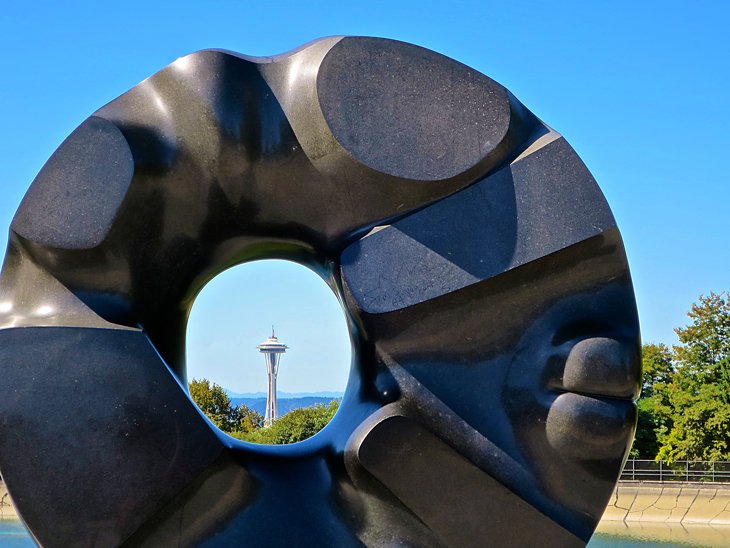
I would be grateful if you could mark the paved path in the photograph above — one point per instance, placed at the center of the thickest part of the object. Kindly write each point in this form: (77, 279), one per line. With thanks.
(670, 503)
(6, 507)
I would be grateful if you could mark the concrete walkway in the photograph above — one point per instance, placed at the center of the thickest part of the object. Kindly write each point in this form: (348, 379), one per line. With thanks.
(6, 507)
(674, 502)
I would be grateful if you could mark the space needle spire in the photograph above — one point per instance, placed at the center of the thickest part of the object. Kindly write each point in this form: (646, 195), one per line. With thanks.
(272, 350)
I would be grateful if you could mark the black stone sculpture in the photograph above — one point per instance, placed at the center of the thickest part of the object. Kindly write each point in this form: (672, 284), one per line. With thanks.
(491, 310)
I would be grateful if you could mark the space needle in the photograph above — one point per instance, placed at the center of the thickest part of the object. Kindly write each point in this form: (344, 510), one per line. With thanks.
(272, 350)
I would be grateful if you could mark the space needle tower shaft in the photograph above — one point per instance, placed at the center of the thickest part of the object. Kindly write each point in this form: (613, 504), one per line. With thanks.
(272, 350)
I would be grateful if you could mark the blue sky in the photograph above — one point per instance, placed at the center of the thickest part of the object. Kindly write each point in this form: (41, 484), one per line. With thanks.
(640, 89)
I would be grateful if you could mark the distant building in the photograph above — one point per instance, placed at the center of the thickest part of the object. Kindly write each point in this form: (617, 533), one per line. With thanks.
(272, 350)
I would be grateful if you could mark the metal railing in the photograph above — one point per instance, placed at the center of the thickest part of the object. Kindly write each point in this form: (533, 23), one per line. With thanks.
(681, 470)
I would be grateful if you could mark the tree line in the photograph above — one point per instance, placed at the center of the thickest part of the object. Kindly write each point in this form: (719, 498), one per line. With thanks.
(684, 408)
(247, 424)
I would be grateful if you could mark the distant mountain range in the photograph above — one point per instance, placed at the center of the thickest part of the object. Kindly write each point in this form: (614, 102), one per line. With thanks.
(286, 401)
(322, 394)
(284, 405)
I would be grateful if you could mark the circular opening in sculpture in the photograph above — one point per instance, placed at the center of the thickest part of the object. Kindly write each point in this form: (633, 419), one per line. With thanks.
(268, 352)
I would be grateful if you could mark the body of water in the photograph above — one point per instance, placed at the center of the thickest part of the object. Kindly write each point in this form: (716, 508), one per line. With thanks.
(610, 534)
(634, 534)
(13, 534)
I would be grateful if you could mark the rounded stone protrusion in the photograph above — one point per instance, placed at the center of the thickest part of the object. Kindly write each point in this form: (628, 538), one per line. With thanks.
(589, 428)
(75, 198)
(410, 112)
(604, 367)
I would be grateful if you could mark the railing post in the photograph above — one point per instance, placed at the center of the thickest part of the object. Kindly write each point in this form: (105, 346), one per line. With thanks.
(700, 471)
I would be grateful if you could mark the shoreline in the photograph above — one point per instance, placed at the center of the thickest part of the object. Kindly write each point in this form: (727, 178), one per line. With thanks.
(671, 503)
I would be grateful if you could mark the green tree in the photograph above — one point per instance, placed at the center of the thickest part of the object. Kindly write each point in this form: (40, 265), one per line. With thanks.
(701, 425)
(658, 369)
(297, 425)
(215, 403)
(250, 420)
(704, 352)
(699, 394)
(655, 412)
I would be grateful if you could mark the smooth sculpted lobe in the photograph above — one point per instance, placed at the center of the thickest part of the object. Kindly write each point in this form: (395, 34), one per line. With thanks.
(491, 395)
